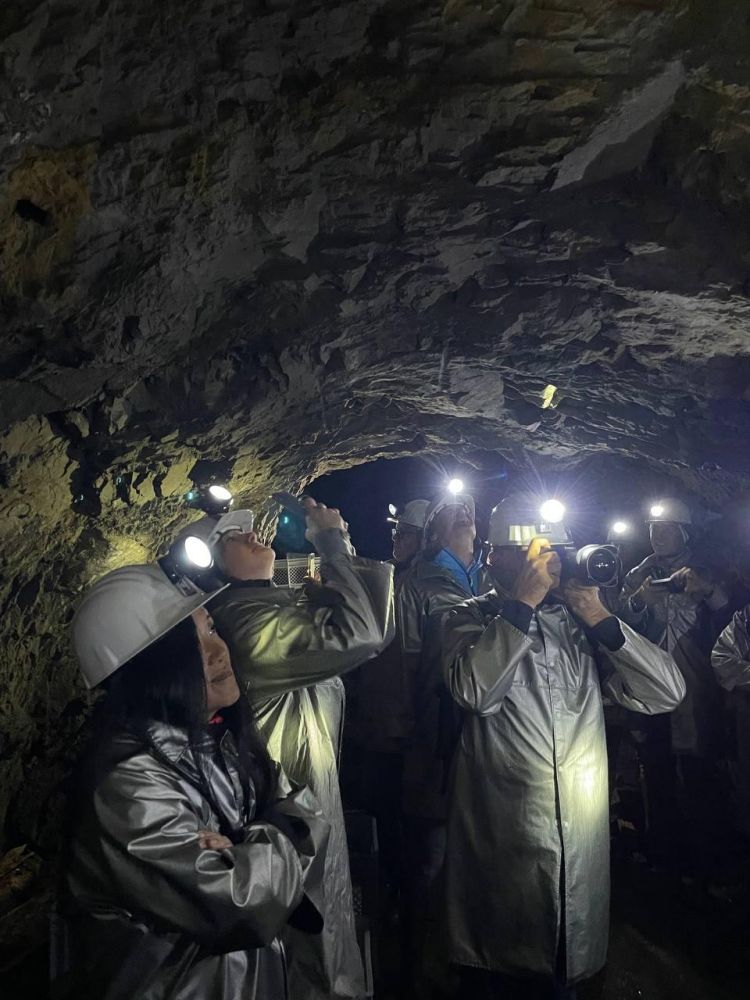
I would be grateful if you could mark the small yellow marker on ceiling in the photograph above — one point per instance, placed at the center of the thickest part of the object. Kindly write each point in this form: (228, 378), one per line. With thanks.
(548, 396)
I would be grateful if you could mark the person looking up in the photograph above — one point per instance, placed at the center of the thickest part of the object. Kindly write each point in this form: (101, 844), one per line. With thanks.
(408, 531)
(445, 573)
(289, 648)
(383, 720)
(189, 853)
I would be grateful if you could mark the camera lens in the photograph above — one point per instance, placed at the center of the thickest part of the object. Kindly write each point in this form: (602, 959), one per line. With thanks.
(601, 566)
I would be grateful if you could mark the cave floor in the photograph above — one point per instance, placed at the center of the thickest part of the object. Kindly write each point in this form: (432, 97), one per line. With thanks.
(668, 941)
(671, 940)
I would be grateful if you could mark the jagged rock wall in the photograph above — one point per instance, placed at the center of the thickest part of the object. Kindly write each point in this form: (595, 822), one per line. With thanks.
(296, 235)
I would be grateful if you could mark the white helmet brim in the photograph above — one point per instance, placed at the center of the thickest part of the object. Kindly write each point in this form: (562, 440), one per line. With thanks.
(125, 612)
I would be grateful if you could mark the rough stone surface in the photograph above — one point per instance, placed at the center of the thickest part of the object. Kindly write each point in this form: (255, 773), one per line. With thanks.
(295, 234)
(622, 143)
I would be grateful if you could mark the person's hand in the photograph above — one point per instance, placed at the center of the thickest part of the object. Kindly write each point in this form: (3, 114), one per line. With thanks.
(648, 595)
(318, 593)
(693, 583)
(320, 517)
(210, 841)
(540, 574)
(585, 603)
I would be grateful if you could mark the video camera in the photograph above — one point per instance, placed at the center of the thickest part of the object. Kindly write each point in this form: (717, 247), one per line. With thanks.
(591, 565)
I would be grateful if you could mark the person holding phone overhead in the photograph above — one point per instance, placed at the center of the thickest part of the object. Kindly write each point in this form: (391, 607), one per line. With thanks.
(289, 649)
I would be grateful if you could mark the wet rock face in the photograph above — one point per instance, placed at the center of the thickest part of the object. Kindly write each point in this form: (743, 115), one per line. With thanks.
(296, 235)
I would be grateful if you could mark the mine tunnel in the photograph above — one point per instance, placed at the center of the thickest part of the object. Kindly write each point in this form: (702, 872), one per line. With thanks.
(355, 250)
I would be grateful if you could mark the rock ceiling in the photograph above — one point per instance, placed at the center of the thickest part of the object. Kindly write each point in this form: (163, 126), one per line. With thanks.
(294, 236)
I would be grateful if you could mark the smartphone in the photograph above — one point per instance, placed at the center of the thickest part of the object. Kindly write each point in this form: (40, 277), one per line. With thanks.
(668, 584)
(290, 503)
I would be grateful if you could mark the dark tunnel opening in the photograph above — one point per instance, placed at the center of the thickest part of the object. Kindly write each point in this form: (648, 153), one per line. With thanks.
(597, 493)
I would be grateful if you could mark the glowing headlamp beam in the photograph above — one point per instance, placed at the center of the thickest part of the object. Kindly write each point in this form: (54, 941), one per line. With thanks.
(197, 553)
(455, 486)
(552, 511)
(620, 528)
(220, 493)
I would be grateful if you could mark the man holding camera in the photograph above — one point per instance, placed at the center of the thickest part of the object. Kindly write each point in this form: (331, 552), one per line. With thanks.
(681, 607)
(527, 861)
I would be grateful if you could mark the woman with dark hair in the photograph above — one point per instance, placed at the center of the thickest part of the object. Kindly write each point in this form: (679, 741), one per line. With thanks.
(188, 855)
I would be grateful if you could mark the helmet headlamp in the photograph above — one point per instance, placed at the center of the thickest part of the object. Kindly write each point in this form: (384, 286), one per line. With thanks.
(212, 498)
(197, 553)
(190, 558)
(552, 511)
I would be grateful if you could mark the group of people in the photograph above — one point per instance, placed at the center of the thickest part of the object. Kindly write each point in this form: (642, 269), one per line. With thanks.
(207, 854)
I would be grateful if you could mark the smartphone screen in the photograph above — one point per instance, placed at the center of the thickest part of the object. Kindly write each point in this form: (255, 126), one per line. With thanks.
(291, 503)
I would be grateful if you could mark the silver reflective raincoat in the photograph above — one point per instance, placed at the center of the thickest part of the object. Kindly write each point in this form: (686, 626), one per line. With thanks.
(288, 650)
(384, 721)
(426, 593)
(527, 861)
(148, 913)
(685, 628)
(731, 663)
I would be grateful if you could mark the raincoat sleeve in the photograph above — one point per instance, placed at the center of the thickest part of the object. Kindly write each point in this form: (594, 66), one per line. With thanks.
(230, 899)
(640, 676)
(479, 661)
(419, 628)
(731, 654)
(419, 620)
(279, 647)
(299, 815)
(410, 618)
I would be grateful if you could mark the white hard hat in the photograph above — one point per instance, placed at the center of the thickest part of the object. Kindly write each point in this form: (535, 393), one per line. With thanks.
(517, 519)
(670, 510)
(124, 612)
(448, 500)
(211, 529)
(414, 514)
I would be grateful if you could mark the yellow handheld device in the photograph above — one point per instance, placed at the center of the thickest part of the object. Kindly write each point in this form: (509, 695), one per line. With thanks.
(536, 547)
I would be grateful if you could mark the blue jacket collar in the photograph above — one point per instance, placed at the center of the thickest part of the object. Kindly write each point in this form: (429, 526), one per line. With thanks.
(466, 577)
